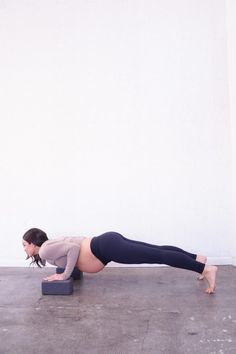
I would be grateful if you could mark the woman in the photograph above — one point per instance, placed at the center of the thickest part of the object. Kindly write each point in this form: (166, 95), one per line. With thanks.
(91, 255)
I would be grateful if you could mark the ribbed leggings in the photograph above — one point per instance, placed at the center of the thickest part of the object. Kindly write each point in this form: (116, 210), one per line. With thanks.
(112, 246)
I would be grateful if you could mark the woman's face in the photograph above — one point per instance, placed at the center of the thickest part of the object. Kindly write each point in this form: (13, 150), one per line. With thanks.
(29, 248)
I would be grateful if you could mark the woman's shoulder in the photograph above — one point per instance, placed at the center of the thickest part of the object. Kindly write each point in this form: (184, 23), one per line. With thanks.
(43, 249)
(48, 245)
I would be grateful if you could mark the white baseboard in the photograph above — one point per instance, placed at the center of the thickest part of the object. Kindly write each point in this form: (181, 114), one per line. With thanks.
(211, 260)
(220, 261)
(16, 263)
(13, 263)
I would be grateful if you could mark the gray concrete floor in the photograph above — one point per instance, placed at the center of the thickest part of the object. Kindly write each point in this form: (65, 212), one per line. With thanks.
(118, 311)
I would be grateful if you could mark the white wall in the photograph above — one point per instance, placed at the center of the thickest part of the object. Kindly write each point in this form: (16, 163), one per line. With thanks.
(231, 41)
(115, 116)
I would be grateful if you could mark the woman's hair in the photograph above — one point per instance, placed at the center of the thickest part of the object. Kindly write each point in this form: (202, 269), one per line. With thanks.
(37, 237)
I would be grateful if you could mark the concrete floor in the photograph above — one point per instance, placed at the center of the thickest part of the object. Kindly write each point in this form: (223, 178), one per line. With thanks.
(118, 311)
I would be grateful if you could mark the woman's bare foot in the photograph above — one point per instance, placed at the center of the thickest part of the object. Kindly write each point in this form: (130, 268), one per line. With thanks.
(202, 259)
(210, 275)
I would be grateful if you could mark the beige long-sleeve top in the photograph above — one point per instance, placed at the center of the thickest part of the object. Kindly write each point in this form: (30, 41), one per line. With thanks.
(62, 252)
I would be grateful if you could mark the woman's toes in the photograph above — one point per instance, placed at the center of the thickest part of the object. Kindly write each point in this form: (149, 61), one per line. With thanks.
(210, 291)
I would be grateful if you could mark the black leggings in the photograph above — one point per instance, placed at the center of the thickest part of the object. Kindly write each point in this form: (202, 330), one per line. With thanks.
(112, 246)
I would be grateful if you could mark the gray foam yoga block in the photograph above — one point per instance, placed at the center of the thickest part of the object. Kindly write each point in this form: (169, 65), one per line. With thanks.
(76, 274)
(57, 287)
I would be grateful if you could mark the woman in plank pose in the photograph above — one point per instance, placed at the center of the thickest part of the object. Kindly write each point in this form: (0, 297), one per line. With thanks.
(91, 255)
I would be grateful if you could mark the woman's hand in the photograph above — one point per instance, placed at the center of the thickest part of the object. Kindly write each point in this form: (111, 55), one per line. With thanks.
(54, 277)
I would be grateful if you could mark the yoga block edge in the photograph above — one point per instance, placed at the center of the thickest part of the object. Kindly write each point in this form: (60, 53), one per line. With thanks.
(76, 274)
